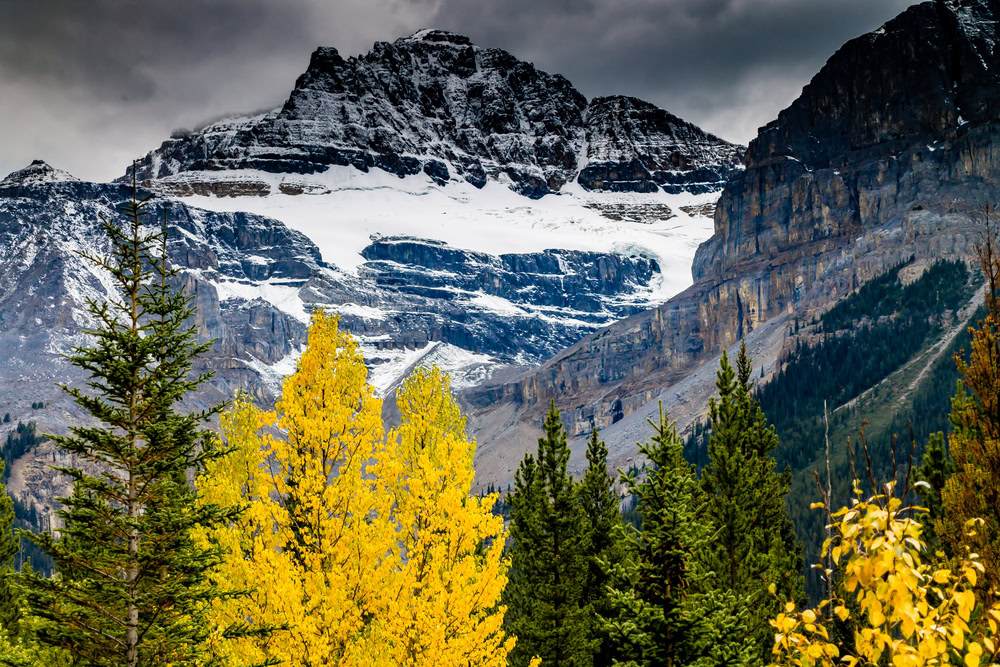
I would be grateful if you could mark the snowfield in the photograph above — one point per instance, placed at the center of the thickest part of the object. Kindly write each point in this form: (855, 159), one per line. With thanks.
(349, 207)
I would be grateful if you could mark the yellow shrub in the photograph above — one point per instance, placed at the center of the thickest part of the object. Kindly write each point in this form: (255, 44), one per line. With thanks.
(910, 614)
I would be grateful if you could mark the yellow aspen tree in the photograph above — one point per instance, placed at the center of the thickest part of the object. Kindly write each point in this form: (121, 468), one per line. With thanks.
(326, 478)
(444, 609)
(910, 614)
(255, 559)
(317, 540)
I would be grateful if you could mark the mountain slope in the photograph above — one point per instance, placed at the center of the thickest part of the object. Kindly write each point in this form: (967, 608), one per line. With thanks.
(255, 282)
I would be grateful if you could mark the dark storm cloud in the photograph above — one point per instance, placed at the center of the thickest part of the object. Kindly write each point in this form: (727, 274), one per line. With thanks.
(728, 65)
(88, 85)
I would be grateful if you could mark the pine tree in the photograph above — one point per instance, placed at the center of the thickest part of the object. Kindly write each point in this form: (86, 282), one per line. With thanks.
(524, 501)
(755, 545)
(132, 586)
(549, 613)
(935, 469)
(604, 539)
(10, 603)
(656, 615)
(972, 492)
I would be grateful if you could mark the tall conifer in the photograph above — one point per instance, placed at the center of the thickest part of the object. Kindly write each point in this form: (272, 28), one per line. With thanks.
(655, 619)
(754, 545)
(10, 607)
(935, 469)
(132, 585)
(604, 532)
(546, 595)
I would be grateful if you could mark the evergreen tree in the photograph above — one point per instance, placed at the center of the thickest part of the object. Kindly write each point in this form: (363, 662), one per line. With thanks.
(604, 534)
(546, 594)
(972, 491)
(523, 501)
(132, 586)
(10, 606)
(754, 545)
(935, 469)
(658, 614)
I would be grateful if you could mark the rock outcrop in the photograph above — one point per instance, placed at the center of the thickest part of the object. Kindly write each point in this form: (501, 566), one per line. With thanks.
(635, 146)
(255, 282)
(435, 103)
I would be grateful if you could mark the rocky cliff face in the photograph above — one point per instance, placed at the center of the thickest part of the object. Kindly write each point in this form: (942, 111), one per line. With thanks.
(635, 146)
(435, 103)
(887, 151)
(255, 282)
(886, 154)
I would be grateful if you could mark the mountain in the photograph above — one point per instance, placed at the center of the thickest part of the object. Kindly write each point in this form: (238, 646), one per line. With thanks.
(402, 190)
(255, 281)
(420, 171)
(436, 104)
(886, 155)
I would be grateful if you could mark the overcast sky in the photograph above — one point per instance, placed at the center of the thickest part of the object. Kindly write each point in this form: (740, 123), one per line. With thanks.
(88, 85)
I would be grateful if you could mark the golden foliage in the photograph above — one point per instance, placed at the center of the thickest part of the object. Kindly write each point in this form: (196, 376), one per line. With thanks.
(973, 491)
(911, 615)
(444, 609)
(368, 550)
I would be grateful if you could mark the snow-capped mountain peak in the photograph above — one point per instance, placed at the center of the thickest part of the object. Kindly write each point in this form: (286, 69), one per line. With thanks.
(39, 171)
(436, 104)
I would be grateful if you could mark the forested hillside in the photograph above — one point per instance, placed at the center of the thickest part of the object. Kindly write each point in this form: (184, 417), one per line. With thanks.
(865, 362)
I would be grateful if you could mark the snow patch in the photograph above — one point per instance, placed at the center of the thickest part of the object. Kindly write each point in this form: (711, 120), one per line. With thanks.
(354, 206)
(282, 296)
(465, 369)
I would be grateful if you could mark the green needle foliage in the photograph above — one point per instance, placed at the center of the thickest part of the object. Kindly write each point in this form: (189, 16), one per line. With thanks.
(10, 607)
(755, 544)
(658, 616)
(546, 593)
(604, 531)
(131, 585)
(935, 469)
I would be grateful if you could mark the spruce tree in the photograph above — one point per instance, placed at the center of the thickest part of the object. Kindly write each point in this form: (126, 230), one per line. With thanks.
(657, 618)
(132, 586)
(935, 469)
(546, 595)
(604, 539)
(523, 503)
(754, 545)
(10, 606)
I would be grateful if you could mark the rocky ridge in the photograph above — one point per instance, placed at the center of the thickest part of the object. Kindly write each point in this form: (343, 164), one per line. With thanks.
(434, 103)
(255, 281)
